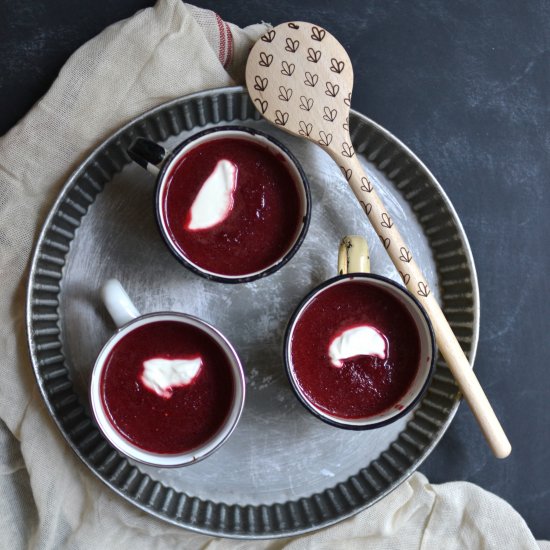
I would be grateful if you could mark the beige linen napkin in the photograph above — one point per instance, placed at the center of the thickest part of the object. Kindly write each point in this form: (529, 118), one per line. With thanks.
(48, 499)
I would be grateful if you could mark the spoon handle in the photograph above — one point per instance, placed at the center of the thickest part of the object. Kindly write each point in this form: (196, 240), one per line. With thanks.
(416, 283)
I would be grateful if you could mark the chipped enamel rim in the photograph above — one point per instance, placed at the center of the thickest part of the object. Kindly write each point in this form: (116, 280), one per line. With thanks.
(275, 147)
(425, 367)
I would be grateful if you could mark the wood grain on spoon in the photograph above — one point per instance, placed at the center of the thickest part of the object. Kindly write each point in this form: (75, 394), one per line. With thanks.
(300, 78)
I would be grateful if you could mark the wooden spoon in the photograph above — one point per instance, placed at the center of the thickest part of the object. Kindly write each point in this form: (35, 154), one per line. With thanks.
(300, 78)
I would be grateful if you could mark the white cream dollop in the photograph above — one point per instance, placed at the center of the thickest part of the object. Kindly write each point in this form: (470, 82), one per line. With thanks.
(214, 200)
(360, 340)
(163, 375)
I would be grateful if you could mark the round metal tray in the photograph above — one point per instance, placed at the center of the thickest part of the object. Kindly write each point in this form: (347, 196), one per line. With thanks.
(282, 472)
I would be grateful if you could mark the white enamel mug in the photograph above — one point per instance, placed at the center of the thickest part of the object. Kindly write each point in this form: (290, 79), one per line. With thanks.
(127, 318)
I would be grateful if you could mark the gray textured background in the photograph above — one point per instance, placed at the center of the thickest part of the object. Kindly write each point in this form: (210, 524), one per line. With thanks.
(466, 84)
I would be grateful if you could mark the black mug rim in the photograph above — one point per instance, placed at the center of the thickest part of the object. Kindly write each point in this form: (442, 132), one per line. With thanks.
(301, 398)
(167, 162)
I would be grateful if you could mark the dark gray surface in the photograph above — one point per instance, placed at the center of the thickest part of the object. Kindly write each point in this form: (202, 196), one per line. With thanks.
(467, 86)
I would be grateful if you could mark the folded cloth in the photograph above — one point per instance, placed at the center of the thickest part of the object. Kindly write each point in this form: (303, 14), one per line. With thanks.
(49, 499)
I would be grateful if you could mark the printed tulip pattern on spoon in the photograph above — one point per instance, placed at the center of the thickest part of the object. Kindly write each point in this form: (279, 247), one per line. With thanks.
(316, 74)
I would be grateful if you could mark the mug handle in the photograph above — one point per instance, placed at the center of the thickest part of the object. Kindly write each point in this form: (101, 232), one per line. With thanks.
(353, 255)
(147, 154)
(118, 303)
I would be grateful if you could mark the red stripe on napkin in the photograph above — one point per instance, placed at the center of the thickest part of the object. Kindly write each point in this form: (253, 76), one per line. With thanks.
(222, 53)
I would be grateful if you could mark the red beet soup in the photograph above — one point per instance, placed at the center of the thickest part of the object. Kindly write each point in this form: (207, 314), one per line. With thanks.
(264, 217)
(364, 385)
(192, 414)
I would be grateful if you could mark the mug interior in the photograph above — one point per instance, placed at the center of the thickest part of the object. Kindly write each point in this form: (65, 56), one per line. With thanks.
(162, 459)
(426, 357)
(276, 149)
